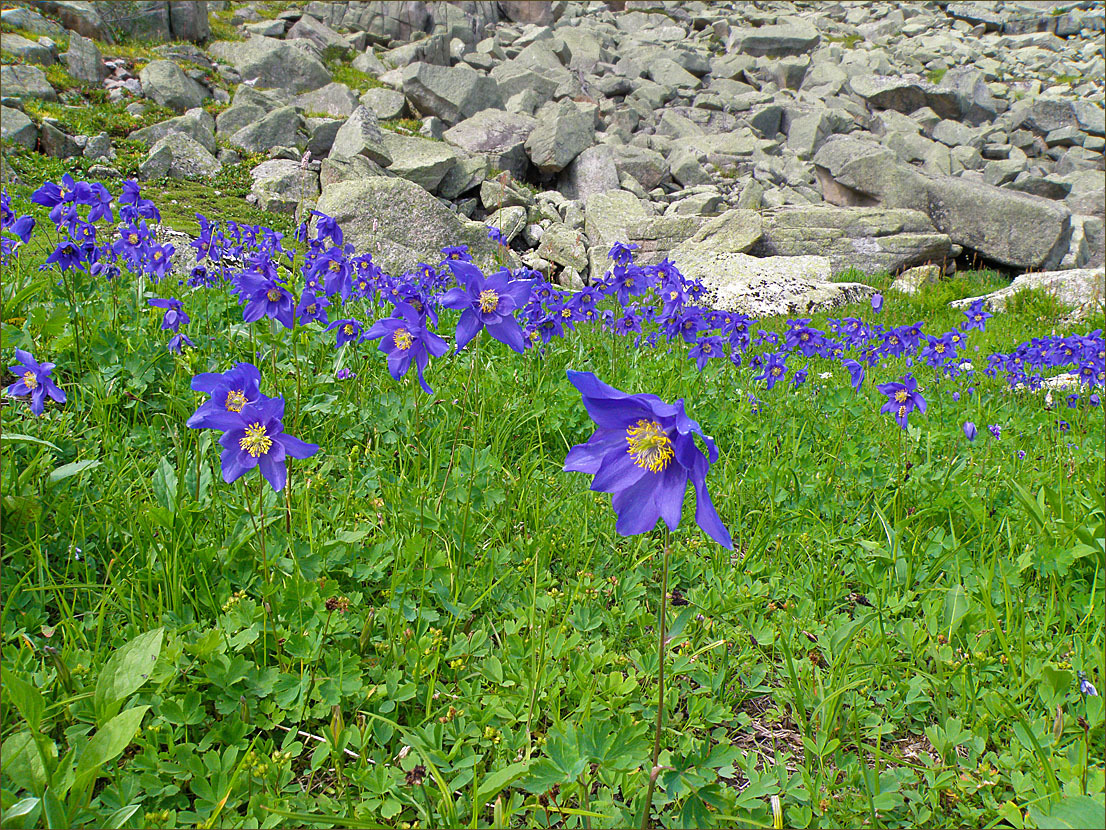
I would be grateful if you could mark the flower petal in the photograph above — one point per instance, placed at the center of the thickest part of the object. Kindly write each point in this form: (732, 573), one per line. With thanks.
(636, 508)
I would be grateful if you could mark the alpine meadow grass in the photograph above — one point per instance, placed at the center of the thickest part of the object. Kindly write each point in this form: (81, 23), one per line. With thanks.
(883, 605)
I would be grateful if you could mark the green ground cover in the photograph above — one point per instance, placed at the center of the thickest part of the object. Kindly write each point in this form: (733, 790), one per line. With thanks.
(434, 625)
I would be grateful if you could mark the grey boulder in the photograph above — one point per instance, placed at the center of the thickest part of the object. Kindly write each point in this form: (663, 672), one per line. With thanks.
(283, 186)
(450, 93)
(17, 128)
(84, 60)
(563, 131)
(497, 135)
(361, 136)
(18, 81)
(271, 63)
(179, 157)
(795, 37)
(335, 99)
(419, 160)
(406, 226)
(1081, 289)
(906, 94)
(283, 127)
(197, 124)
(166, 83)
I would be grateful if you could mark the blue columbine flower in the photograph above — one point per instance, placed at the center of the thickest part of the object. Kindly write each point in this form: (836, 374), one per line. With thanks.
(34, 380)
(496, 235)
(487, 302)
(405, 338)
(255, 437)
(348, 331)
(970, 431)
(775, 369)
(178, 341)
(230, 391)
(856, 372)
(977, 317)
(1086, 687)
(902, 399)
(175, 316)
(643, 452)
(995, 430)
(877, 303)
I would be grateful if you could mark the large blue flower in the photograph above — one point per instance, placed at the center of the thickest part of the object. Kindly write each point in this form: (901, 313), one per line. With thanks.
(255, 437)
(644, 453)
(34, 380)
(405, 338)
(487, 302)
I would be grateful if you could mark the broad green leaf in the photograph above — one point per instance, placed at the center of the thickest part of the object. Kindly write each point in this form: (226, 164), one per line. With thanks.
(67, 470)
(1074, 811)
(126, 671)
(108, 744)
(57, 817)
(20, 808)
(18, 436)
(120, 816)
(493, 784)
(27, 699)
(23, 763)
(165, 485)
(956, 608)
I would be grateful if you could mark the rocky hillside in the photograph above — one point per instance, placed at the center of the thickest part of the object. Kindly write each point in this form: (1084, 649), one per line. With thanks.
(764, 147)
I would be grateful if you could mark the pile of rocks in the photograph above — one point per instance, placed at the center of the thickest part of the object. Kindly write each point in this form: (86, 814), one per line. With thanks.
(763, 147)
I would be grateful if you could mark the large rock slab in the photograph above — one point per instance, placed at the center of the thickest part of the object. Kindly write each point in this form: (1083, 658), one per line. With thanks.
(283, 186)
(197, 124)
(327, 42)
(419, 160)
(593, 171)
(361, 136)
(607, 219)
(401, 224)
(500, 136)
(81, 17)
(452, 93)
(84, 60)
(179, 157)
(769, 286)
(1014, 229)
(17, 128)
(283, 127)
(1081, 289)
(26, 51)
(273, 64)
(334, 99)
(166, 83)
(794, 37)
(906, 94)
(872, 239)
(563, 132)
(18, 81)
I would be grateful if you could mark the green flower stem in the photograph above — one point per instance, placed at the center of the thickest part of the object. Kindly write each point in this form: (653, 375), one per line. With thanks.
(653, 770)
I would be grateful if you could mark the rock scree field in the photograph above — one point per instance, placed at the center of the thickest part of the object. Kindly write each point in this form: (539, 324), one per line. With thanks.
(552, 414)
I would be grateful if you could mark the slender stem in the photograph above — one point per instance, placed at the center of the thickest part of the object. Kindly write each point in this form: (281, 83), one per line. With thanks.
(660, 684)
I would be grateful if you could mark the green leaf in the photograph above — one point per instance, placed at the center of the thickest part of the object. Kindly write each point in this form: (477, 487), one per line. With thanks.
(1074, 811)
(120, 816)
(57, 818)
(493, 784)
(27, 699)
(165, 485)
(125, 672)
(67, 470)
(108, 744)
(956, 608)
(18, 436)
(23, 763)
(20, 808)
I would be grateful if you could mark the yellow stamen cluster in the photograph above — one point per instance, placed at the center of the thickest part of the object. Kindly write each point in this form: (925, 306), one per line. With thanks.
(348, 329)
(649, 445)
(29, 380)
(403, 340)
(489, 300)
(273, 294)
(901, 396)
(255, 441)
(236, 399)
